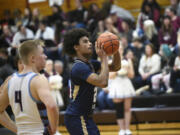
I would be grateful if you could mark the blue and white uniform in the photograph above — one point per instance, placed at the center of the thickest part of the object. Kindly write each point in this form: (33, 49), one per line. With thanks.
(30, 114)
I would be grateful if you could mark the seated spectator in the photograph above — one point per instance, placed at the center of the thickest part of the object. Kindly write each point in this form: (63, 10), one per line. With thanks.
(137, 47)
(177, 47)
(7, 18)
(5, 68)
(78, 17)
(17, 15)
(175, 75)
(160, 82)
(150, 10)
(57, 15)
(129, 55)
(117, 21)
(6, 37)
(110, 27)
(44, 32)
(26, 20)
(167, 34)
(94, 16)
(175, 20)
(175, 4)
(150, 64)
(124, 43)
(22, 34)
(36, 18)
(150, 35)
(126, 30)
(103, 101)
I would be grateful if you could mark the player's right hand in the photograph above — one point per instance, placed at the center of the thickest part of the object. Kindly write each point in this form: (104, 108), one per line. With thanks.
(99, 50)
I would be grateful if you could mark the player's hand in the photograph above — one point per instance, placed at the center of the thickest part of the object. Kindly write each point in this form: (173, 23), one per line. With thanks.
(99, 50)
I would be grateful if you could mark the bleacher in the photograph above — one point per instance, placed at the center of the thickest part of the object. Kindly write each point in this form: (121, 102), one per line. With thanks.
(159, 108)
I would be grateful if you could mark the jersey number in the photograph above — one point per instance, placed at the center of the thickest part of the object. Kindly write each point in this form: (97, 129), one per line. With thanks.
(18, 99)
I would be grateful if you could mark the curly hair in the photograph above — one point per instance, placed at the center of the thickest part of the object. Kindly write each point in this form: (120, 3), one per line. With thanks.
(71, 39)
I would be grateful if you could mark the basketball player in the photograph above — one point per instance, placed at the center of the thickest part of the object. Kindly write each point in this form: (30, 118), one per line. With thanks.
(85, 75)
(29, 95)
(4, 117)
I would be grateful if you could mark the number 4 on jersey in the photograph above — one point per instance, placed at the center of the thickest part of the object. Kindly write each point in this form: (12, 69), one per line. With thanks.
(18, 99)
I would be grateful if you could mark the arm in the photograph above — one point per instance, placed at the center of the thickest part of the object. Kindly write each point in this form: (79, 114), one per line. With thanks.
(4, 102)
(141, 66)
(7, 122)
(116, 62)
(130, 69)
(100, 80)
(41, 86)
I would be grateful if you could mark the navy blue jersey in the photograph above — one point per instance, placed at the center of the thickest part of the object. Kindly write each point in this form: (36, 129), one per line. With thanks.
(82, 94)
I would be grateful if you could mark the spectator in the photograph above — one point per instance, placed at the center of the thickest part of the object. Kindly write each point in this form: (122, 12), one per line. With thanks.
(110, 27)
(22, 34)
(48, 70)
(150, 34)
(55, 82)
(126, 30)
(175, 20)
(17, 15)
(124, 43)
(26, 20)
(58, 66)
(94, 16)
(129, 55)
(6, 37)
(7, 18)
(167, 34)
(175, 4)
(150, 64)
(160, 82)
(137, 47)
(78, 17)
(44, 32)
(103, 101)
(175, 75)
(117, 21)
(5, 68)
(57, 15)
(150, 10)
(59, 69)
(36, 18)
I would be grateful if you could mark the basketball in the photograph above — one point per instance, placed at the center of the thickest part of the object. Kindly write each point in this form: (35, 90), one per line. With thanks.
(110, 42)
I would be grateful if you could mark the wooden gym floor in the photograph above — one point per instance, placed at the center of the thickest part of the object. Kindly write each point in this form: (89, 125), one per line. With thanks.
(139, 129)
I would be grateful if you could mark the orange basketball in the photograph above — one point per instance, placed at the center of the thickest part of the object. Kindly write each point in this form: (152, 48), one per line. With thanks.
(110, 42)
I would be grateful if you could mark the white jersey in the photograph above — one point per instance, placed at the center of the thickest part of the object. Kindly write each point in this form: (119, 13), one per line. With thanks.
(30, 114)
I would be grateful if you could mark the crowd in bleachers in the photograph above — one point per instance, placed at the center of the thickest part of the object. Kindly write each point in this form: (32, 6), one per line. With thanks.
(151, 42)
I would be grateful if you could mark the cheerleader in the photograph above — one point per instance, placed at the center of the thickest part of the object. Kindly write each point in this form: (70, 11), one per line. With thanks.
(121, 91)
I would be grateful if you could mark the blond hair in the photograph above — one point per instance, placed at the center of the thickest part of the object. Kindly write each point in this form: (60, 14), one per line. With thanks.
(150, 29)
(28, 47)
